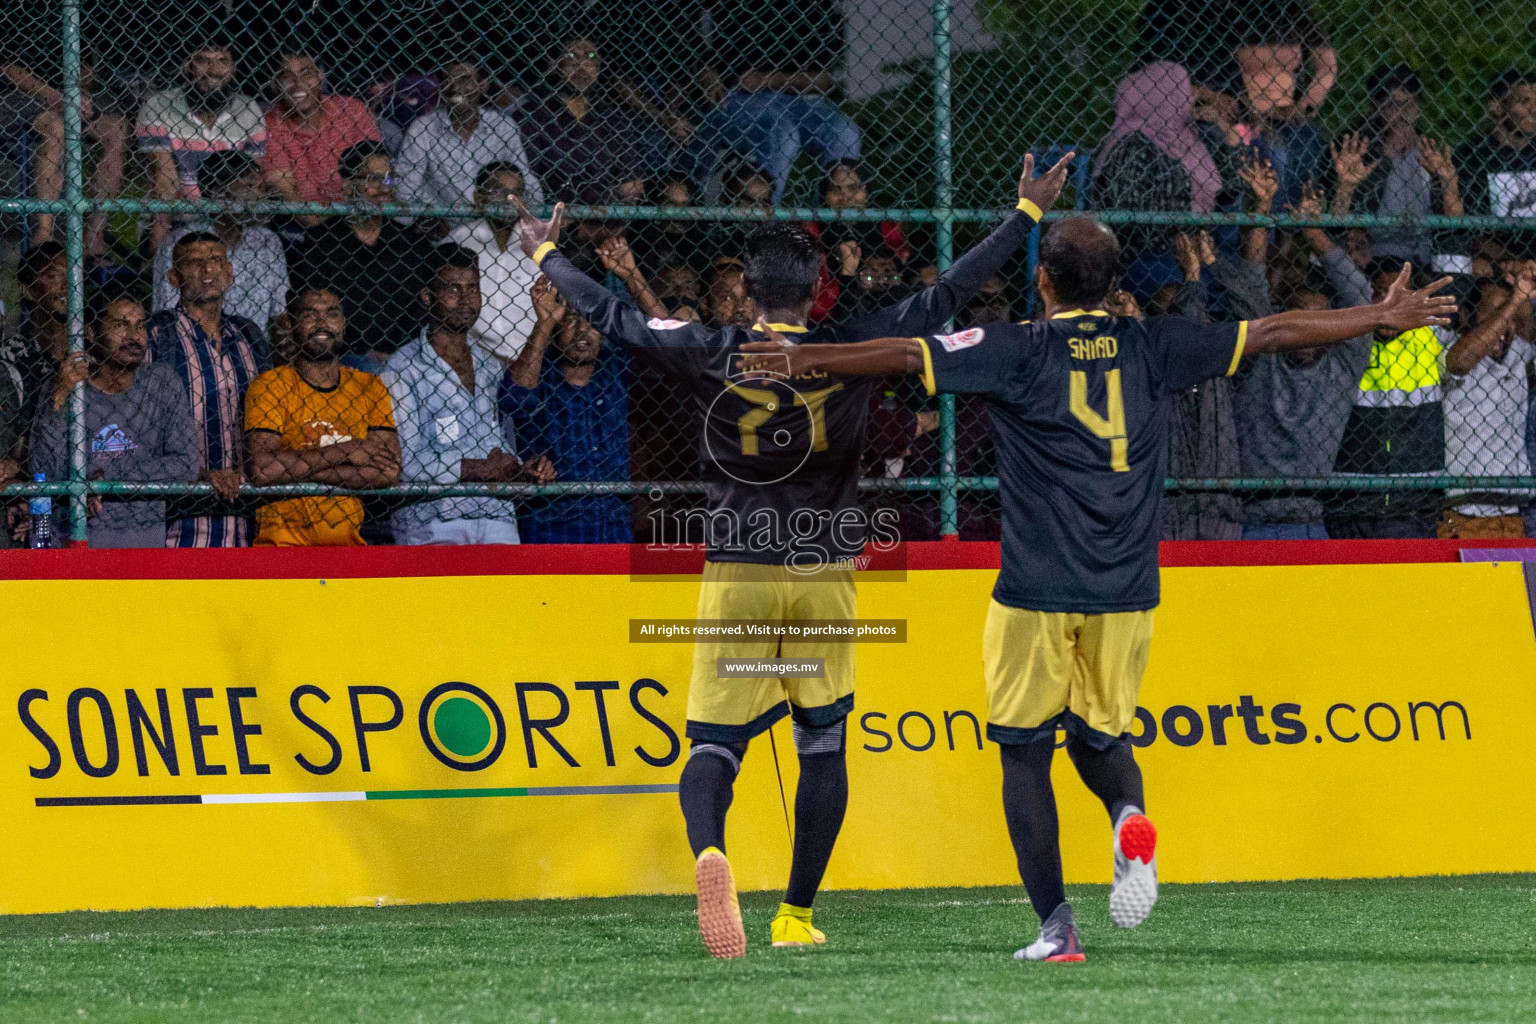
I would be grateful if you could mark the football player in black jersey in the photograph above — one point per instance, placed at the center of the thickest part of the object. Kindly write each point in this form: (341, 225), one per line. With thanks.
(1079, 408)
(781, 466)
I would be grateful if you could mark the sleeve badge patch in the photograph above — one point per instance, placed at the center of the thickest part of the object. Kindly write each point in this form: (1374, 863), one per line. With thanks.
(658, 324)
(962, 339)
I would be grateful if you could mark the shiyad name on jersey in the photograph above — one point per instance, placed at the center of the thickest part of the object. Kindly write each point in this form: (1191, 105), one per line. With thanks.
(1102, 347)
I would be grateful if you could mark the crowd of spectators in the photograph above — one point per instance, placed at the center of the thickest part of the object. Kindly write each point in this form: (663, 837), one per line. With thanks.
(366, 350)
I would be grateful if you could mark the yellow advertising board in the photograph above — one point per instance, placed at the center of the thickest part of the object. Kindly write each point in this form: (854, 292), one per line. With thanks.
(202, 742)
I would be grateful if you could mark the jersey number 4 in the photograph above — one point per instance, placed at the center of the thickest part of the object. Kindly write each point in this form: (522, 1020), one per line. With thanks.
(1111, 429)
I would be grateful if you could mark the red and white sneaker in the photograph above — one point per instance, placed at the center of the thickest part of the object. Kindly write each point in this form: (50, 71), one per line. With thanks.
(1135, 889)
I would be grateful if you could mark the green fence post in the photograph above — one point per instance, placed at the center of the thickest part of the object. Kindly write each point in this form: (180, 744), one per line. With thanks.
(944, 236)
(74, 249)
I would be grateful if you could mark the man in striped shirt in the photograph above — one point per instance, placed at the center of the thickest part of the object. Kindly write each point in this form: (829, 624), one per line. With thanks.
(217, 355)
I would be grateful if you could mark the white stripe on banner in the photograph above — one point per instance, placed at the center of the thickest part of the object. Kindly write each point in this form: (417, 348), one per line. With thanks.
(342, 796)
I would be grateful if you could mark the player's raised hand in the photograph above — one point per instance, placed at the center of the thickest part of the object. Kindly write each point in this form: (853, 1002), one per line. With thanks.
(1044, 190)
(773, 357)
(1405, 308)
(532, 232)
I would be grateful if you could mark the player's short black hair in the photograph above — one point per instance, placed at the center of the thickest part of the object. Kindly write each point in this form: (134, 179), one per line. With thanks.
(448, 255)
(221, 170)
(354, 156)
(35, 261)
(1390, 78)
(782, 267)
(487, 171)
(1081, 257)
(1500, 87)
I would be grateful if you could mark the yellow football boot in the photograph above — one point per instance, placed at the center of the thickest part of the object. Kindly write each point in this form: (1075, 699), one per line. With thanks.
(792, 927)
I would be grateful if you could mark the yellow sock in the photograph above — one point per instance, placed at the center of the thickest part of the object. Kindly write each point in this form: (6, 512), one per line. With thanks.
(785, 910)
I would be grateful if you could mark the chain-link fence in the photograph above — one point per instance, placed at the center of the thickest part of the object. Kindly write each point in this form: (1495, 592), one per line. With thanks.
(262, 281)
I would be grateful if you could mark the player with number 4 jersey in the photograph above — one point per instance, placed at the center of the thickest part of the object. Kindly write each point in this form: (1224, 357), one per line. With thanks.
(1079, 407)
(781, 466)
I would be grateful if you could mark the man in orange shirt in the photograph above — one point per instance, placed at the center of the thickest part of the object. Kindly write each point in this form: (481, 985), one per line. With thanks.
(318, 422)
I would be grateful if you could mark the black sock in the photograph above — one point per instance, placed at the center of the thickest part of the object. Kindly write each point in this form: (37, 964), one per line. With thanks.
(821, 799)
(1112, 774)
(1029, 804)
(705, 791)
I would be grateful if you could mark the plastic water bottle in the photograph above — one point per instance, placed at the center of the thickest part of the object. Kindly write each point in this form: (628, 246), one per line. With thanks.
(41, 508)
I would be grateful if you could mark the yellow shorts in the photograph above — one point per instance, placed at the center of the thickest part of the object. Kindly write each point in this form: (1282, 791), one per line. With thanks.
(735, 710)
(1045, 668)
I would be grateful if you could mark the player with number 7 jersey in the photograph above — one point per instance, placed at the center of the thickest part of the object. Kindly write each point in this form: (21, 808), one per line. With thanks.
(781, 458)
(1079, 407)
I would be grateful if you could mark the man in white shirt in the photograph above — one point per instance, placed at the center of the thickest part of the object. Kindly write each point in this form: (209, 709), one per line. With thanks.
(1486, 399)
(443, 391)
(442, 150)
(506, 274)
(260, 288)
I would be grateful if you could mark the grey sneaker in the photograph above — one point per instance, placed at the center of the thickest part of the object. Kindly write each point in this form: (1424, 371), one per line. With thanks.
(1058, 940)
(1135, 888)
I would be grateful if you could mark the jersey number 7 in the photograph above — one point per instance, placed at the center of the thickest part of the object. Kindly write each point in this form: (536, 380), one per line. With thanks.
(1111, 429)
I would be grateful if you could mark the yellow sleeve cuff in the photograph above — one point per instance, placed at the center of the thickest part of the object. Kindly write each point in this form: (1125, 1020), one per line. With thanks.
(1031, 209)
(929, 384)
(542, 251)
(1242, 342)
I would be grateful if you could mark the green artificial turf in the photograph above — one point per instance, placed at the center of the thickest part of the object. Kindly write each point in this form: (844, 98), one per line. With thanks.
(1446, 949)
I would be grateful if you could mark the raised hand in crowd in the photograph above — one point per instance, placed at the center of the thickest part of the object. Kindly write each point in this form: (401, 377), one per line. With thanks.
(1492, 332)
(619, 260)
(1349, 167)
(1263, 184)
(548, 304)
(1122, 303)
(1311, 205)
(847, 256)
(1046, 189)
(1435, 157)
(1194, 250)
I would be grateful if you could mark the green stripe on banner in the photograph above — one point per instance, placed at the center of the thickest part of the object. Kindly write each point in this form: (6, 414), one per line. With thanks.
(444, 794)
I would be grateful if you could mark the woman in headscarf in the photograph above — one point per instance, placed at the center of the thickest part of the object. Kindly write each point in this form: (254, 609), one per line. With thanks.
(1153, 159)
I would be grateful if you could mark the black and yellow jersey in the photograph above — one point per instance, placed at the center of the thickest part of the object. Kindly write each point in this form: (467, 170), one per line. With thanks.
(1079, 409)
(780, 456)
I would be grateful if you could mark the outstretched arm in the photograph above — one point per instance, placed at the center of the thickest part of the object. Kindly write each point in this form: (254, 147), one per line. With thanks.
(930, 309)
(878, 358)
(613, 319)
(1402, 309)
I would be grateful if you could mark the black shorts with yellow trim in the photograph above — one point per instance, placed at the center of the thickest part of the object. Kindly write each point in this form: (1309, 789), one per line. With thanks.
(1048, 669)
(736, 709)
